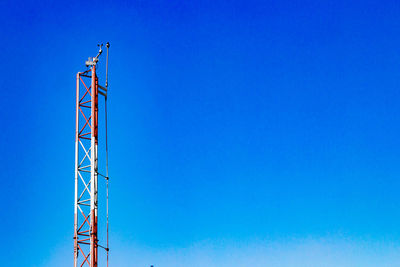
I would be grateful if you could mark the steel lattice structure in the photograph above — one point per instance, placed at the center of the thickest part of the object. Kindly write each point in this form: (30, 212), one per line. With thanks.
(86, 166)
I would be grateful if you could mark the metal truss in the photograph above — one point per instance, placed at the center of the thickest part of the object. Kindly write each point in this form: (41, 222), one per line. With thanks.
(86, 164)
(86, 169)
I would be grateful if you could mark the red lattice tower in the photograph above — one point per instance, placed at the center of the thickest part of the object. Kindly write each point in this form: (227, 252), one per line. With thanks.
(86, 164)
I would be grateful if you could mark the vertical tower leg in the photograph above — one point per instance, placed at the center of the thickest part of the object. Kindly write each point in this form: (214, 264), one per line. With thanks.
(93, 179)
(76, 175)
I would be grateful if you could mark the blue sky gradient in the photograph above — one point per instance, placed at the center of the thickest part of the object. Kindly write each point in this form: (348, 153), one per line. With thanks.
(262, 132)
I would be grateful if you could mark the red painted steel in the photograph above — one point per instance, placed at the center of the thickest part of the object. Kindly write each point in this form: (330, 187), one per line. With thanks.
(93, 217)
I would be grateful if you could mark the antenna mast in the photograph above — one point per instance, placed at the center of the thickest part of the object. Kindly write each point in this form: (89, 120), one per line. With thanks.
(86, 164)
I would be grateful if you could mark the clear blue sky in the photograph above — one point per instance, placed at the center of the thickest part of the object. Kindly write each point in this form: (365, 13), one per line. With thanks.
(262, 133)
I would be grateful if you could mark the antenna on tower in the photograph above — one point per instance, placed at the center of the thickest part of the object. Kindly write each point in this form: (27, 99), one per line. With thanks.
(108, 46)
(92, 61)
